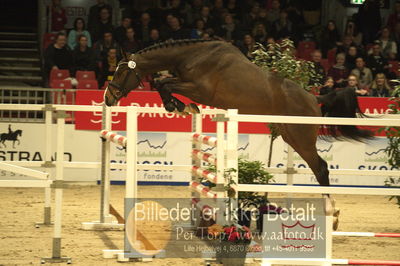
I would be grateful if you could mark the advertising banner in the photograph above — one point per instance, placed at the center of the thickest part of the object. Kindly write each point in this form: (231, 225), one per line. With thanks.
(26, 142)
(173, 122)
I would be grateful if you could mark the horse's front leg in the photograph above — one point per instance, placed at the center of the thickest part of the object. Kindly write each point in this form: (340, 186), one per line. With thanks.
(169, 101)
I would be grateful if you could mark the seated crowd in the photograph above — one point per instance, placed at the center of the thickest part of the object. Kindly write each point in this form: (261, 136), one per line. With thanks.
(360, 58)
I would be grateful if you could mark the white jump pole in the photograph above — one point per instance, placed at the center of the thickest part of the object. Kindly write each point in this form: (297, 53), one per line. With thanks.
(105, 187)
(48, 164)
(131, 189)
(58, 184)
(47, 191)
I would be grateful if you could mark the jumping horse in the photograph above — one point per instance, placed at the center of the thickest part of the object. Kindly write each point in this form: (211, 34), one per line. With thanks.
(217, 74)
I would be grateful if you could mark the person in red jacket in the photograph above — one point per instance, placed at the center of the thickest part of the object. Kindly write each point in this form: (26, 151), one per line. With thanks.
(394, 17)
(58, 17)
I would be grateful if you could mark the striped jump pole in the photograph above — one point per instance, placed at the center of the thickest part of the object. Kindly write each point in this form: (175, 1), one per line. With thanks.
(204, 190)
(211, 141)
(366, 234)
(208, 157)
(210, 176)
(365, 262)
(114, 137)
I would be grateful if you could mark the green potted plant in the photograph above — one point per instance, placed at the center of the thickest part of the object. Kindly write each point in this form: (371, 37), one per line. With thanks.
(393, 135)
(249, 172)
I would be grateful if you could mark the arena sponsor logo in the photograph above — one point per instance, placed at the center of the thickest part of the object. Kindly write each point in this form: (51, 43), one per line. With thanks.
(375, 151)
(99, 115)
(377, 167)
(377, 111)
(324, 148)
(30, 156)
(12, 136)
(303, 165)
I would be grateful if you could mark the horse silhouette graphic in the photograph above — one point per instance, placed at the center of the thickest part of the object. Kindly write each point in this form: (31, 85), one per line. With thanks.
(10, 136)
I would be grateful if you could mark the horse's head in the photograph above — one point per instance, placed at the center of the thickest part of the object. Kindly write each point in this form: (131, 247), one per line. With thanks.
(125, 79)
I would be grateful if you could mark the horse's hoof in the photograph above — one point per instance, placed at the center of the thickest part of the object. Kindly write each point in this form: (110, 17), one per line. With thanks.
(180, 106)
(336, 213)
(335, 223)
(192, 108)
(170, 107)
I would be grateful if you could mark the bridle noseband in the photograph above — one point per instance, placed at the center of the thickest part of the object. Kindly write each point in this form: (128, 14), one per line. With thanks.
(122, 88)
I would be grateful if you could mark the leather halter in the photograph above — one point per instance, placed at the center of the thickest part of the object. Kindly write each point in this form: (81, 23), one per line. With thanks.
(122, 87)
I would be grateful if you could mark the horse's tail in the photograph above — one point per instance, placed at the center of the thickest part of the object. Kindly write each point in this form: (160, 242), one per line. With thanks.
(343, 103)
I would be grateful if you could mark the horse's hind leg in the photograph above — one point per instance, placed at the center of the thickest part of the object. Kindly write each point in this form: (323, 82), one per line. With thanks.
(303, 140)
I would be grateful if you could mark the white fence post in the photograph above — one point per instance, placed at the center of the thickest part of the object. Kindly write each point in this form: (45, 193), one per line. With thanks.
(58, 184)
(105, 216)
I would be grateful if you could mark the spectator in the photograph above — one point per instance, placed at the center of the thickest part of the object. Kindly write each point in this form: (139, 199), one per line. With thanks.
(339, 71)
(79, 29)
(262, 18)
(396, 37)
(250, 18)
(109, 65)
(351, 56)
(248, 46)
(352, 30)
(194, 11)
(233, 8)
(394, 18)
(94, 11)
(131, 45)
(388, 47)
(84, 56)
(120, 31)
(273, 13)
(283, 27)
(229, 31)
(328, 87)
(344, 46)
(363, 73)
(368, 20)
(380, 86)
(175, 31)
(319, 69)
(352, 83)
(209, 21)
(218, 9)
(102, 46)
(376, 62)
(154, 38)
(206, 36)
(144, 27)
(330, 38)
(103, 24)
(58, 17)
(178, 9)
(58, 55)
(198, 29)
(260, 33)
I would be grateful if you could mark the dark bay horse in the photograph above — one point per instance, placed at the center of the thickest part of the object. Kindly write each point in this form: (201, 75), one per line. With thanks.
(216, 73)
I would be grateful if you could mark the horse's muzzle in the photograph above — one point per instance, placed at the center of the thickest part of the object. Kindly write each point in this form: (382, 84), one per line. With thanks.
(108, 98)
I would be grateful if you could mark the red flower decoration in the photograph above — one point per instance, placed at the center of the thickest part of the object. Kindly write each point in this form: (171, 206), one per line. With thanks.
(229, 230)
(233, 236)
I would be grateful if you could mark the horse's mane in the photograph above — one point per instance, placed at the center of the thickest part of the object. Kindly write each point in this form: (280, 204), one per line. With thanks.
(172, 43)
